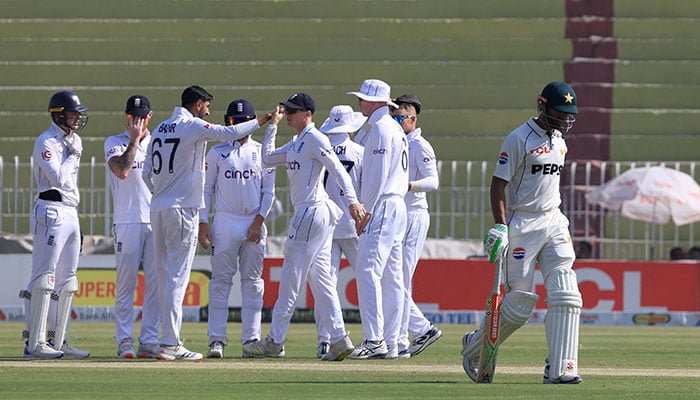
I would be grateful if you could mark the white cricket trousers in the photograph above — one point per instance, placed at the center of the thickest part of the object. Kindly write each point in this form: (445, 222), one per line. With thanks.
(232, 252)
(133, 245)
(413, 320)
(338, 248)
(307, 256)
(380, 286)
(56, 245)
(175, 239)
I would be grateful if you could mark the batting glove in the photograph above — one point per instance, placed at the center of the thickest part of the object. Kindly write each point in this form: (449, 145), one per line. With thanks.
(74, 146)
(496, 242)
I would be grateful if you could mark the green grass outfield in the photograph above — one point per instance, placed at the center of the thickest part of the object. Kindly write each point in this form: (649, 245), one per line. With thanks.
(616, 362)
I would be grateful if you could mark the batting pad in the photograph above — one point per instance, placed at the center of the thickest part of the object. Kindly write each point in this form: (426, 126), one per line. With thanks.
(515, 311)
(561, 323)
(65, 300)
(39, 309)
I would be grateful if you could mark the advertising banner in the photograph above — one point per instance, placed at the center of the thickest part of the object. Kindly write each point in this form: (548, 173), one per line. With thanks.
(447, 291)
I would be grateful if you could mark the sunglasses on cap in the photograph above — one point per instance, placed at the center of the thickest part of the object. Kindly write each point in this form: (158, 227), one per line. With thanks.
(238, 120)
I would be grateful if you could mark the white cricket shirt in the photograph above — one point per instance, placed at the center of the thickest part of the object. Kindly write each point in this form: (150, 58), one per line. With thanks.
(532, 162)
(131, 197)
(174, 167)
(306, 155)
(54, 168)
(350, 155)
(237, 181)
(422, 170)
(385, 160)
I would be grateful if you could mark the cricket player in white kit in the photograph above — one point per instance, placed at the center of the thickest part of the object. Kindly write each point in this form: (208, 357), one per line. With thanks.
(242, 192)
(341, 122)
(530, 229)
(56, 230)
(308, 245)
(423, 177)
(379, 273)
(133, 242)
(174, 171)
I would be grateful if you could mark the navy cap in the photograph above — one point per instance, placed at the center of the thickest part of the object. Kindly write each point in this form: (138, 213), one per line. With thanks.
(409, 99)
(138, 105)
(560, 96)
(300, 101)
(240, 108)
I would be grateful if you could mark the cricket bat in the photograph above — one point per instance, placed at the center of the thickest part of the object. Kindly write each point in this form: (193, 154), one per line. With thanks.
(492, 319)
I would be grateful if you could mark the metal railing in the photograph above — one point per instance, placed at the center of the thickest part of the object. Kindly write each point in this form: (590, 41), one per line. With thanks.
(460, 208)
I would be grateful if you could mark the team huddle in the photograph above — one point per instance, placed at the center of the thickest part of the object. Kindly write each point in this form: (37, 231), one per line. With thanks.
(358, 186)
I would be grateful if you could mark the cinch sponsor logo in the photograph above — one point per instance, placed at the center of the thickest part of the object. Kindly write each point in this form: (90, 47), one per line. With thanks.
(503, 158)
(541, 150)
(239, 174)
(293, 165)
(137, 165)
(379, 151)
(547, 169)
(518, 253)
(339, 150)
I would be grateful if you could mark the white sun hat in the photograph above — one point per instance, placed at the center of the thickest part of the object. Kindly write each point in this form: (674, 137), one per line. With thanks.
(342, 119)
(375, 90)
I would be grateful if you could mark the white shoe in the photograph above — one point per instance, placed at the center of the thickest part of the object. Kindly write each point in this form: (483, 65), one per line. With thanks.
(126, 349)
(371, 349)
(72, 352)
(148, 350)
(405, 353)
(170, 353)
(562, 380)
(470, 365)
(422, 342)
(216, 350)
(42, 352)
(338, 350)
(265, 348)
(392, 353)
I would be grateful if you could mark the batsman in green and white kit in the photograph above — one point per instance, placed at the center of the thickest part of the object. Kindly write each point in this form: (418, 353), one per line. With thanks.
(530, 229)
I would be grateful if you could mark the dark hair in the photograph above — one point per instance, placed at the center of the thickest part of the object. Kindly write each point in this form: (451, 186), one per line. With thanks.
(677, 253)
(584, 250)
(694, 253)
(194, 93)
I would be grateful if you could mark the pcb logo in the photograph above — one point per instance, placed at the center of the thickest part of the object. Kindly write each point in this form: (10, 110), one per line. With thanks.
(518, 253)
